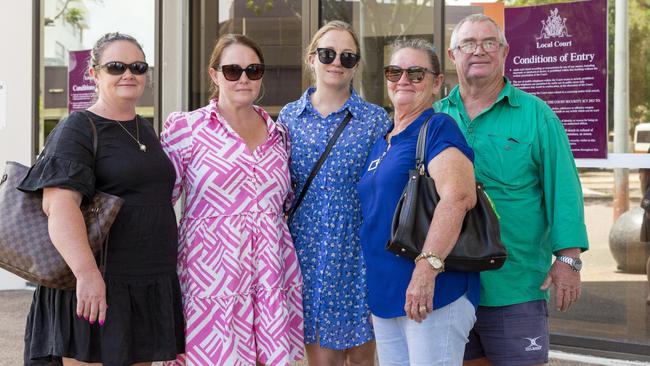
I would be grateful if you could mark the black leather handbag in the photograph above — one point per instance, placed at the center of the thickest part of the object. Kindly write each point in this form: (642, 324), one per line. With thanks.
(479, 246)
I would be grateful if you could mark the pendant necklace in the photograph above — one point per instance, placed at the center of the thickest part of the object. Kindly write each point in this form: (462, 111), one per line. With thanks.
(375, 163)
(135, 138)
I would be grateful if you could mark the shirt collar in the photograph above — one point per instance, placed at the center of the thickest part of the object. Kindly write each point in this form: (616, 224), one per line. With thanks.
(217, 117)
(304, 103)
(508, 93)
(413, 128)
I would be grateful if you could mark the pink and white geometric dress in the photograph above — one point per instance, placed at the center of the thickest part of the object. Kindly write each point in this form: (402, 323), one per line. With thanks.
(239, 275)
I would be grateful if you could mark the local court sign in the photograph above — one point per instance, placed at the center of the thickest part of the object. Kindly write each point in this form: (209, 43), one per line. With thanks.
(3, 105)
(81, 87)
(558, 52)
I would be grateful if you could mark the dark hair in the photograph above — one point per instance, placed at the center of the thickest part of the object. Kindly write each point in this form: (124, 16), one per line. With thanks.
(420, 45)
(222, 43)
(107, 39)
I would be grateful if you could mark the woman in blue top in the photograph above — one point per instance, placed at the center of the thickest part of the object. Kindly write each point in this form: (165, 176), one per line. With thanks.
(325, 226)
(421, 314)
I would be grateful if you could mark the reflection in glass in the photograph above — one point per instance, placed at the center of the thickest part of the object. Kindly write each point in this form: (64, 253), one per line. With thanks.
(76, 25)
(378, 24)
(612, 305)
(277, 29)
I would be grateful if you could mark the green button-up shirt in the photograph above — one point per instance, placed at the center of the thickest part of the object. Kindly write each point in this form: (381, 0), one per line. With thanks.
(523, 157)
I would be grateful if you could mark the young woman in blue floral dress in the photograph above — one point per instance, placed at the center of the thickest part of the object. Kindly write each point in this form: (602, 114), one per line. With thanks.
(325, 226)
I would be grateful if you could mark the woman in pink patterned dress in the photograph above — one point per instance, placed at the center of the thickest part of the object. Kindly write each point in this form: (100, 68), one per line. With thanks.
(237, 266)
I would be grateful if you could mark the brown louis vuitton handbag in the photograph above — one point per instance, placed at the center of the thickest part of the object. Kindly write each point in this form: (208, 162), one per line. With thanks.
(25, 246)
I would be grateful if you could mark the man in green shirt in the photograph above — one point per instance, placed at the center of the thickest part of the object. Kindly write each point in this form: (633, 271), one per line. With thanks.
(523, 157)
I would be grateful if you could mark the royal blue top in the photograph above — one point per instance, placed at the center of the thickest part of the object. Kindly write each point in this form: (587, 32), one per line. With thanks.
(380, 187)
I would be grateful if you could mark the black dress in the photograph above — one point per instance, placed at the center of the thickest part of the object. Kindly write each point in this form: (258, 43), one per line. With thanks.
(144, 320)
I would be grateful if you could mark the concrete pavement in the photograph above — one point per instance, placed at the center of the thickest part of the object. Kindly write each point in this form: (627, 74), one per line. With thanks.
(14, 306)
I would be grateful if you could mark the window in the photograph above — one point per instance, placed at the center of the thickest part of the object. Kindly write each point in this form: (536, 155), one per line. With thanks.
(378, 24)
(89, 20)
(612, 314)
(278, 31)
(59, 53)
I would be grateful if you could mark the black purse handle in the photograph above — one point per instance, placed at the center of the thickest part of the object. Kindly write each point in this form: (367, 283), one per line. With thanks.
(419, 149)
(419, 160)
(93, 130)
(319, 164)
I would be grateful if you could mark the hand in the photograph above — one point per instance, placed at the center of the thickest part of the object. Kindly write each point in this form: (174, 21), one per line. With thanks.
(419, 294)
(91, 296)
(566, 282)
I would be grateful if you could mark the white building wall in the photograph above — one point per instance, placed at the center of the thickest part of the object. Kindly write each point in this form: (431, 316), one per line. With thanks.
(16, 73)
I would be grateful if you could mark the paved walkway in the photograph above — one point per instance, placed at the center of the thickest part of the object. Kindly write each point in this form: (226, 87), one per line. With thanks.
(14, 306)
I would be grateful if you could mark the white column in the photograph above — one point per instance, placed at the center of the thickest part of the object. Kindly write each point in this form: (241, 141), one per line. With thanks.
(621, 105)
(174, 57)
(16, 75)
(174, 63)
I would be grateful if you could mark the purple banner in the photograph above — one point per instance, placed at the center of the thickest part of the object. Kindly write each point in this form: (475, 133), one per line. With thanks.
(558, 52)
(81, 87)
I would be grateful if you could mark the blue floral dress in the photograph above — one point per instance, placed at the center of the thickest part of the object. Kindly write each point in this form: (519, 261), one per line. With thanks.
(325, 227)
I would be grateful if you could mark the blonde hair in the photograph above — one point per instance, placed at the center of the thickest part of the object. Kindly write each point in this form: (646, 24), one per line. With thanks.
(332, 25)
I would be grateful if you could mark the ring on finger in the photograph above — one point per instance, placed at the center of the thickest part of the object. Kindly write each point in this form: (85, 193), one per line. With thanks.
(423, 308)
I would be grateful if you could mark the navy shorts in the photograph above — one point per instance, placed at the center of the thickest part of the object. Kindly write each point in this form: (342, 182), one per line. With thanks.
(513, 335)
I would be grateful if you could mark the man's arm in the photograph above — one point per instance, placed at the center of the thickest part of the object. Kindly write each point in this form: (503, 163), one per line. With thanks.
(564, 206)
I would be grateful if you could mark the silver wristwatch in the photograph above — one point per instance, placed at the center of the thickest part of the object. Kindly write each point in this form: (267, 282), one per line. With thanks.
(574, 263)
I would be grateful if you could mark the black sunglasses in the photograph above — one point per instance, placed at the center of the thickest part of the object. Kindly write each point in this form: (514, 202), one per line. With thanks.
(233, 72)
(119, 68)
(414, 73)
(327, 55)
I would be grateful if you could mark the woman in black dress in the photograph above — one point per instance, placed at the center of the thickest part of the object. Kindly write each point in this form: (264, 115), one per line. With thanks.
(133, 313)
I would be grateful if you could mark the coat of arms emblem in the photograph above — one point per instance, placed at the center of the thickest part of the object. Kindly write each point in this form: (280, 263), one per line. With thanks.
(554, 26)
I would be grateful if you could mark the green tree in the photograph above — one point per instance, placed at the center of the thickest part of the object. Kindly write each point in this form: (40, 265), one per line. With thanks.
(70, 14)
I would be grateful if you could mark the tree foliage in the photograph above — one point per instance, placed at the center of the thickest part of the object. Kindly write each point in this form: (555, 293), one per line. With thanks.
(70, 14)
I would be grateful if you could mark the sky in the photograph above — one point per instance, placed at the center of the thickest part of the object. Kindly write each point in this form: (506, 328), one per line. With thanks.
(133, 17)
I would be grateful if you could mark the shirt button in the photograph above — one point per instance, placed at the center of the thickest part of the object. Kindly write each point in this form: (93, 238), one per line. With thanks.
(470, 129)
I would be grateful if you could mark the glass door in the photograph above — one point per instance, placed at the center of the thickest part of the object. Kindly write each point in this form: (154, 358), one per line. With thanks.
(378, 24)
(277, 26)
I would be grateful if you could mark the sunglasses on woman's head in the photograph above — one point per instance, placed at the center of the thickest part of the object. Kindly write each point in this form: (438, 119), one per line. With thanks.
(414, 73)
(327, 56)
(119, 68)
(233, 72)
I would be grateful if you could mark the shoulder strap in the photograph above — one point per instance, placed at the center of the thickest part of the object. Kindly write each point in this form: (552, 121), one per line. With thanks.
(103, 252)
(93, 130)
(422, 143)
(319, 163)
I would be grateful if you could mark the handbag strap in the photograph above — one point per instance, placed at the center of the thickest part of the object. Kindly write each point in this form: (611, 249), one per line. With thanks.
(319, 163)
(103, 252)
(93, 130)
(419, 163)
(420, 148)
